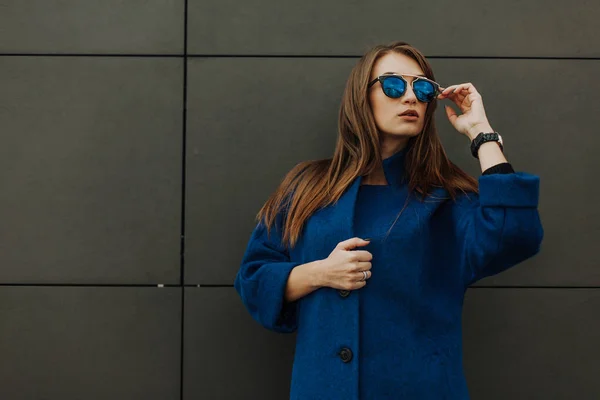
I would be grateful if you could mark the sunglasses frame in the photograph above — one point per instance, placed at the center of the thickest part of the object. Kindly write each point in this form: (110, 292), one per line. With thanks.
(381, 78)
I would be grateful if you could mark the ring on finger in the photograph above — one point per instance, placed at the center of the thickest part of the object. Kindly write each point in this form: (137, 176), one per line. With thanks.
(365, 275)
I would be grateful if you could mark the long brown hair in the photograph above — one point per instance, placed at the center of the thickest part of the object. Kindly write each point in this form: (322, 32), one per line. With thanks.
(314, 184)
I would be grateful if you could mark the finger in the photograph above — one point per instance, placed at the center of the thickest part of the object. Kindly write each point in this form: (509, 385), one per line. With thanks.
(446, 91)
(362, 255)
(363, 266)
(359, 276)
(466, 88)
(456, 99)
(359, 284)
(460, 87)
(473, 97)
(353, 265)
(459, 98)
(451, 114)
(455, 90)
(465, 99)
(461, 93)
(454, 93)
(351, 243)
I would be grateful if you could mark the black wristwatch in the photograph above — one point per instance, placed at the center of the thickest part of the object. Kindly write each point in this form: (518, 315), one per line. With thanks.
(482, 138)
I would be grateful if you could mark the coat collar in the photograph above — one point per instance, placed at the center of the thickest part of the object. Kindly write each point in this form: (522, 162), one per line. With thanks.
(393, 168)
(343, 211)
(340, 216)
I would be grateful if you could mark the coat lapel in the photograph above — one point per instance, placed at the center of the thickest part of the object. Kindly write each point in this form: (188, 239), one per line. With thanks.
(343, 211)
(335, 223)
(329, 226)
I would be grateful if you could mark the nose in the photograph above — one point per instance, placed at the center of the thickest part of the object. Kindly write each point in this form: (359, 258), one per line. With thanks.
(409, 96)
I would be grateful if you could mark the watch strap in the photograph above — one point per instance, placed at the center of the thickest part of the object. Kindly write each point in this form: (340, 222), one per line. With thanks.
(482, 138)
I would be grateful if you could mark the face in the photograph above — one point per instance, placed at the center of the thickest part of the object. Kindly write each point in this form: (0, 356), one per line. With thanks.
(386, 110)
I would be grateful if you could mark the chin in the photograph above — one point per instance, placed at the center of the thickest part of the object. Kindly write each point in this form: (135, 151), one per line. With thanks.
(403, 132)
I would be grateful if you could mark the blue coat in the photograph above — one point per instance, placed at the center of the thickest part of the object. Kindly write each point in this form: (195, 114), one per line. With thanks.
(442, 246)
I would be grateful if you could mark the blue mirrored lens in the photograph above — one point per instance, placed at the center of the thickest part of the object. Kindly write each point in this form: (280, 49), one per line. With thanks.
(424, 90)
(394, 87)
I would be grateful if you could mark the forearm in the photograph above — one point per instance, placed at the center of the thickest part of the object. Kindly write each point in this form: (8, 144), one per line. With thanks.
(303, 279)
(489, 153)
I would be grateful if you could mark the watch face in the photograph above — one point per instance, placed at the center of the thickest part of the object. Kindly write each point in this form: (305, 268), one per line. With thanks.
(500, 139)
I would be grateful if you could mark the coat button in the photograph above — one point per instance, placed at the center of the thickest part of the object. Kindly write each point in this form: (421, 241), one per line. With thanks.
(344, 293)
(346, 354)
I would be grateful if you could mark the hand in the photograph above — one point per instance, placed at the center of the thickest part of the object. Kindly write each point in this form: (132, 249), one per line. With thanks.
(342, 269)
(473, 119)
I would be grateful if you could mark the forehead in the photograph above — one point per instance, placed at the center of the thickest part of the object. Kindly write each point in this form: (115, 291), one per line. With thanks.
(398, 63)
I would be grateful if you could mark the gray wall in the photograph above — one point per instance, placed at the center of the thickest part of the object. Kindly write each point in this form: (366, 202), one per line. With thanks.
(128, 143)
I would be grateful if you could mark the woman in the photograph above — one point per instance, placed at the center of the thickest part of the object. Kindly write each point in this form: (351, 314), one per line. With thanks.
(367, 256)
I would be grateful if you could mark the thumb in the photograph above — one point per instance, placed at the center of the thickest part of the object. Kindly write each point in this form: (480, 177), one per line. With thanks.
(351, 243)
(451, 114)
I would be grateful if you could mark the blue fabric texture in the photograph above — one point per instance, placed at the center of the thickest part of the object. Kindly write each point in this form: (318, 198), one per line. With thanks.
(403, 329)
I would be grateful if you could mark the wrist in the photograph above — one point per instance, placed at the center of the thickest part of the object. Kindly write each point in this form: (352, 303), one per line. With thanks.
(317, 274)
(477, 129)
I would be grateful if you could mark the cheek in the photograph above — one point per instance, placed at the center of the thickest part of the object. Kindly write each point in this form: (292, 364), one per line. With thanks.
(375, 103)
(378, 107)
(422, 111)
(382, 107)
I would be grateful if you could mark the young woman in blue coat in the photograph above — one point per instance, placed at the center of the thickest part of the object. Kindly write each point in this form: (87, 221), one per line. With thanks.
(367, 255)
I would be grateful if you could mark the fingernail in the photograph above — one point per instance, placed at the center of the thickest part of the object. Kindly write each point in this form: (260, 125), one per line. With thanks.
(367, 239)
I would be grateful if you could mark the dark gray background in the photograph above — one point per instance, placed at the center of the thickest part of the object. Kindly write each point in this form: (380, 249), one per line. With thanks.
(128, 144)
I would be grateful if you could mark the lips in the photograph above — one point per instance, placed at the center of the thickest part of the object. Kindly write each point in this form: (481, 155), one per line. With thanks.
(411, 113)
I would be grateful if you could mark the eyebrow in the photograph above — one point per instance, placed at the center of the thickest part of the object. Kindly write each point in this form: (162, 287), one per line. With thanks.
(401, 74)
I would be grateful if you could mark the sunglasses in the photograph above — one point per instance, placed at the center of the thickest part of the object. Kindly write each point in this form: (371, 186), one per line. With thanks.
(394, 86)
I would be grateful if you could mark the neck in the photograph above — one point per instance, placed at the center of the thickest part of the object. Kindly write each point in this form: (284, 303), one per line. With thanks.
(390, 146)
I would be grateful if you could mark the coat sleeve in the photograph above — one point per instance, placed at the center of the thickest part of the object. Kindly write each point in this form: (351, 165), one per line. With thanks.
(500, 227)
(262, 278)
